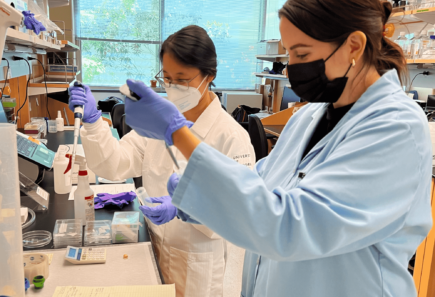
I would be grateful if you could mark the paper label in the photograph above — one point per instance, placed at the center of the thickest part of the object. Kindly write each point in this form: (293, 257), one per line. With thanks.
(89, 211)
(42, 193)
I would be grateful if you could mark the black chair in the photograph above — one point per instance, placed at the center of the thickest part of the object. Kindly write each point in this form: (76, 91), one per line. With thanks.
(125, 129)
(258, 137)
(116, 114)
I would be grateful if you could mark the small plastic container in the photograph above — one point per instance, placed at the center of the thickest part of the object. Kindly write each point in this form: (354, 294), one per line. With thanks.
(36, 239)
(52, 127)
(144, 198)
(8, 102)
(43, 123)
(125, 227)
(33, 128)
(98, 233)
(68, 232)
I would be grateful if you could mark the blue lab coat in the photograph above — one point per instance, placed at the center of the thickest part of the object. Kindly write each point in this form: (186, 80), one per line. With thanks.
(342, 222)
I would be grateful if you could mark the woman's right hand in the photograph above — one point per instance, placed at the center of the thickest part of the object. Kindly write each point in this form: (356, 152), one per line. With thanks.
(84, 97)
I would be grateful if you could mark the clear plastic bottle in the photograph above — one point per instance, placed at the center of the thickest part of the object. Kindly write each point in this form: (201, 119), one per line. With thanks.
(409, 53)
(424, 4)
(425, 43)
(412, 4)
(402, 41)
(429, 52)
(418, 45)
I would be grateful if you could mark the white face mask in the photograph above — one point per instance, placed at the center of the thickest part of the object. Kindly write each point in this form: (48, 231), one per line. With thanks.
(183, 97)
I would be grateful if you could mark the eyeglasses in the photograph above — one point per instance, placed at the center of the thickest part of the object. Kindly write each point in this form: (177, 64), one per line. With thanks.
(167, 83)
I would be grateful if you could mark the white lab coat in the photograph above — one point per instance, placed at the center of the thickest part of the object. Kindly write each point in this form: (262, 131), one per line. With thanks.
(191, 256)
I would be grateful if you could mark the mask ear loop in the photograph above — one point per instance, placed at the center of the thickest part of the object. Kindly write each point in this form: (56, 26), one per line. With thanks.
(205, 87)
(334, 51)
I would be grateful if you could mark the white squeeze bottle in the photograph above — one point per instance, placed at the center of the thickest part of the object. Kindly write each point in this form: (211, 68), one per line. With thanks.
(62, 180)
(83, 195)
(59, 122)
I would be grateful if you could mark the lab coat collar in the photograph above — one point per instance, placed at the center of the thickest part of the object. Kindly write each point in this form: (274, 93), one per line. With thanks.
(206, 120)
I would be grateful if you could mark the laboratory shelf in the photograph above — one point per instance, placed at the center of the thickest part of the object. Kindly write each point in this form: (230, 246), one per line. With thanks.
(39, 43)
(17, 37)
(426, 15)
(39, 88)
(271, 76)
(421, 61)
(65, 46)
(270, 58)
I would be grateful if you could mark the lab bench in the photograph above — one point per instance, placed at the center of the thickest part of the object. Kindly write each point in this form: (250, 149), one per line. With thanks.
(62, 208)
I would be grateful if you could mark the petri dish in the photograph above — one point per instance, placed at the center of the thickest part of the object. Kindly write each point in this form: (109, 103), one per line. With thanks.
(36, 239)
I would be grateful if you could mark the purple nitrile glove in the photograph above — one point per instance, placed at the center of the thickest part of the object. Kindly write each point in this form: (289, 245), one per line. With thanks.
(161, 214)
(120, 200)
(31, 23)
(80, 97)
(152, 116)
(173, 181)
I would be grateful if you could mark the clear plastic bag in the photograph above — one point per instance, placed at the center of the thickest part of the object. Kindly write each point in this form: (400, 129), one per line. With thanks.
(42, 17)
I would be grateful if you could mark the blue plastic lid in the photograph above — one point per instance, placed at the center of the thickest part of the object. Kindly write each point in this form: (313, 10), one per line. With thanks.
(432, 37)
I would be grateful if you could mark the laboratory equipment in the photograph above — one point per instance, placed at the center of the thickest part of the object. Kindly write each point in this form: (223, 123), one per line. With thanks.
(36, 264)
(83, 195)
(52, 128)
(424, 43)
(402, 41)
(429, 52)
(426, 4)
(33, 129)
(9, 16)
(36, 239)
(125, 90)
(76, 255)
(38, 282)
(143, 197)
(41, 121)
(78, 115)
(125, 227)
(62, 180)
(26, 222)
(8, 107)
(34, 151)
(3, 116)
(59, 122)
(409, 53)
(11, 255)
(39, 196)
(68, 232)
(98, 233)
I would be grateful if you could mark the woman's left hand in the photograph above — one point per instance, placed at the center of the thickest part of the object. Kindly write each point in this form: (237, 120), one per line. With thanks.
(161, 214)
(173, 181)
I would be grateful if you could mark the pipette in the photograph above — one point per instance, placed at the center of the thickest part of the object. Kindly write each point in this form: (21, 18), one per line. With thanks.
(125, 90)
(78, 115)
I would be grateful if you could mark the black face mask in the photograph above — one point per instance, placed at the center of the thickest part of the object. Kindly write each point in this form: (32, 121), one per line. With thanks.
(309, 81)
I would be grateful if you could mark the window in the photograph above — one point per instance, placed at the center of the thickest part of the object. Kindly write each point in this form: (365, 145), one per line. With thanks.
(121, 38)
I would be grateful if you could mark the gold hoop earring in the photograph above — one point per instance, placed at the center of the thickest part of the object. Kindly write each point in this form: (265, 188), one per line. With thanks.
(353, 63)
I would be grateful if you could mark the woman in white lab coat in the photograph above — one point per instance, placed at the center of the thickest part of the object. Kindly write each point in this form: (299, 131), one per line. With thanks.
(191, 256)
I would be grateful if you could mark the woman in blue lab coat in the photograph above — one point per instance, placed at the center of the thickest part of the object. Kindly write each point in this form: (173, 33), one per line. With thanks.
(342, 202)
